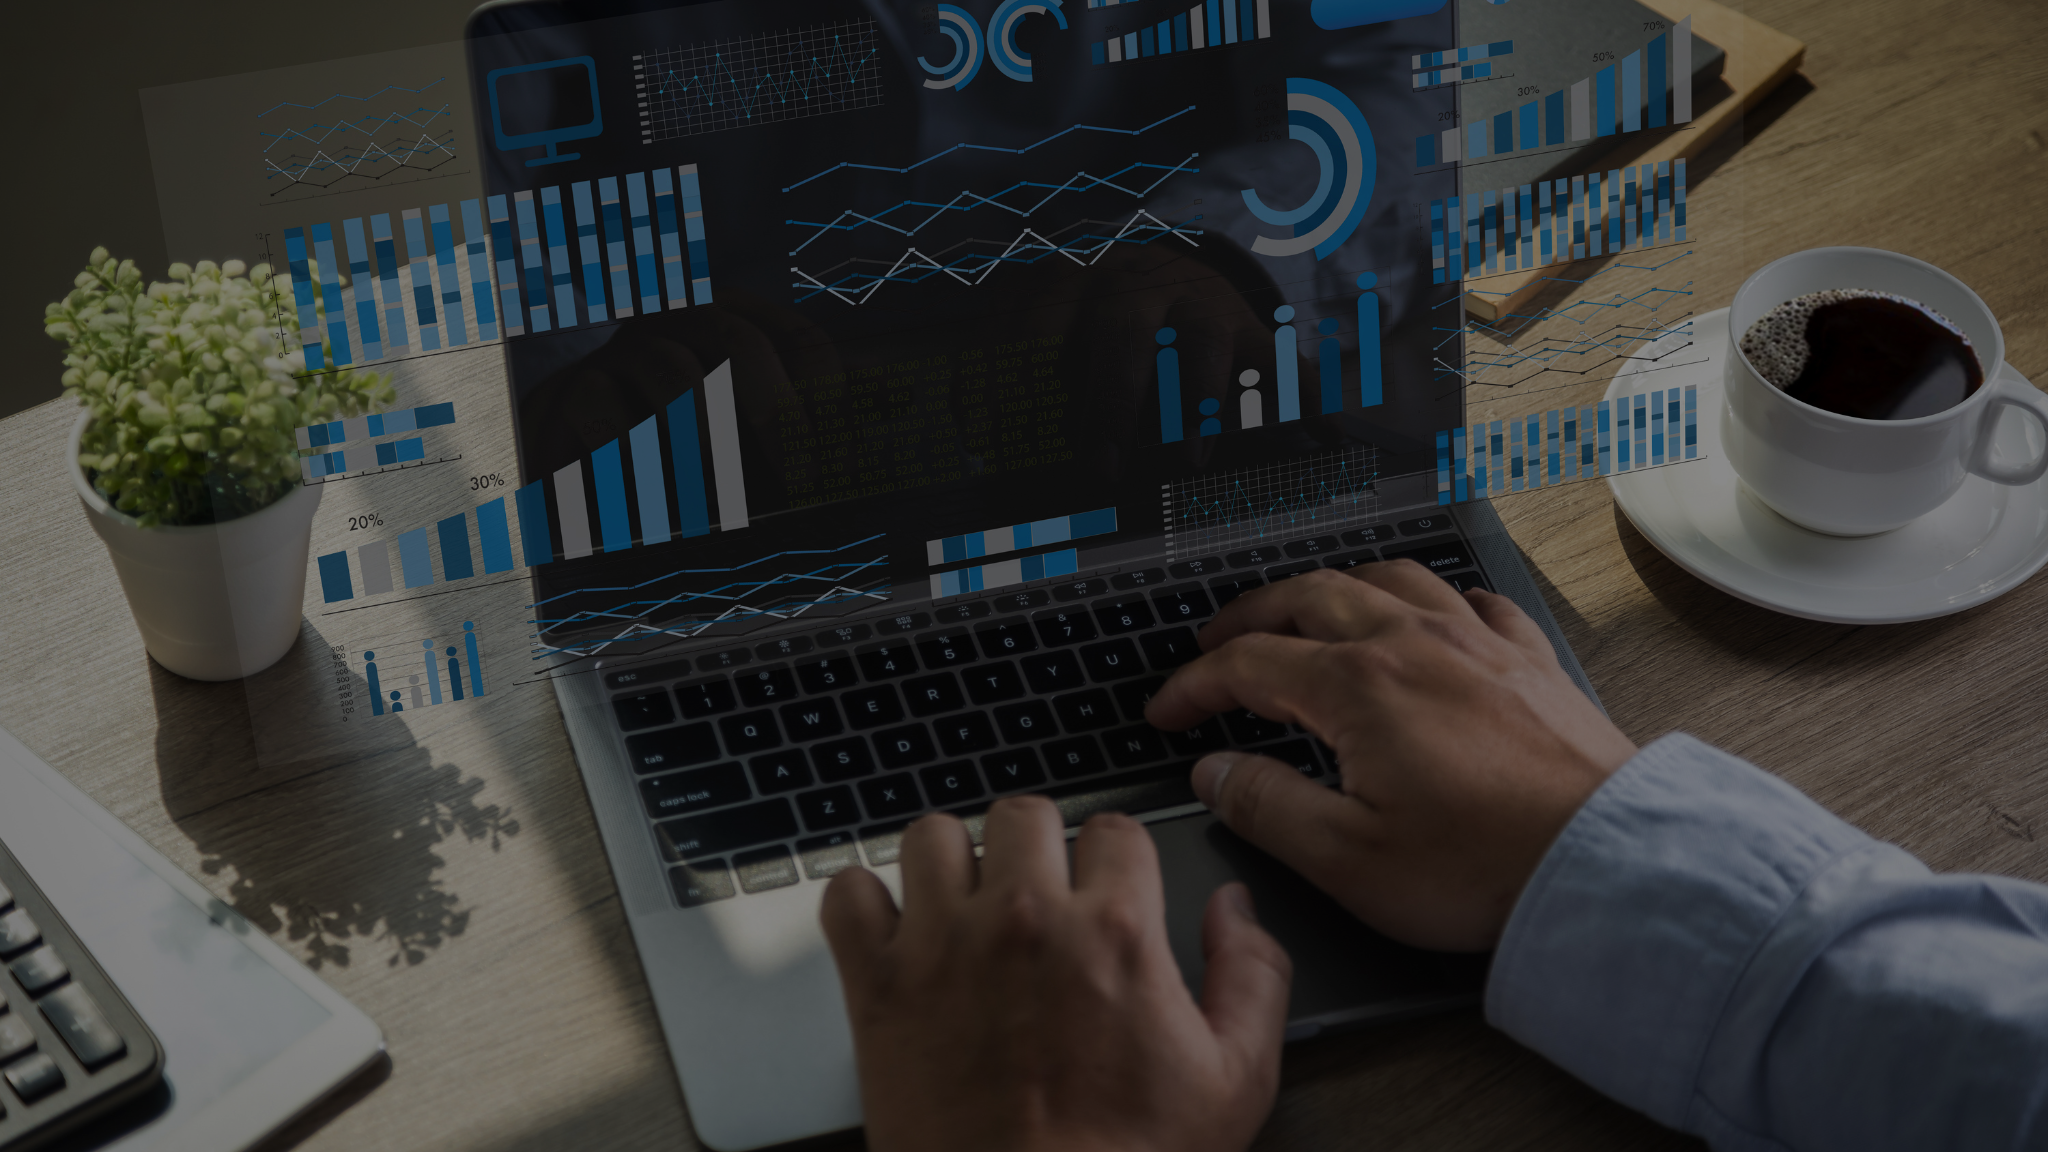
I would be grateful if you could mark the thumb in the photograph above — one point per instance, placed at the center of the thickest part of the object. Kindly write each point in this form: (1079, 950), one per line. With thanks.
(859, 918)
(1317, 831)
(1245, 985)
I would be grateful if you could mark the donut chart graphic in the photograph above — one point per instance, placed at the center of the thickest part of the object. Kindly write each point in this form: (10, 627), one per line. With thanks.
(957, 25)
(1331, 125)
(1002, 35)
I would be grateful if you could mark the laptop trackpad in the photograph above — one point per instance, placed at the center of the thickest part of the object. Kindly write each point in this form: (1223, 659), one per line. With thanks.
(1343, 970)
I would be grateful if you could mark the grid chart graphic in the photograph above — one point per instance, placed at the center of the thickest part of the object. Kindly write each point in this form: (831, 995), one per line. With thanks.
(1454, 64)
(687, 90)
(1549, 222)
(1614, 100)
(1268, 502)
(441, 293)
(1211, 24)
(1544, 449)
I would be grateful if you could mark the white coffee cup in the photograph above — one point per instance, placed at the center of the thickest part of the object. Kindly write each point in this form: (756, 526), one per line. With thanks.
(1845, 475)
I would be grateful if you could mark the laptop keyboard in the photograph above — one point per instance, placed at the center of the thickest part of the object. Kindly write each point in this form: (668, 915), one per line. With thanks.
(794, 758)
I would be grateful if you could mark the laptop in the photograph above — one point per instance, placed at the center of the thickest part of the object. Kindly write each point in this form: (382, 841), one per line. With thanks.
(898, 389)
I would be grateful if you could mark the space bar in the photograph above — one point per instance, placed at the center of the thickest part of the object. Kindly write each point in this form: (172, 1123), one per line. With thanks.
(1132, 793)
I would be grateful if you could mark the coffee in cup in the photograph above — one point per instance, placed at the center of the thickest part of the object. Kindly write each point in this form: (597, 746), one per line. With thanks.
(1864, 353)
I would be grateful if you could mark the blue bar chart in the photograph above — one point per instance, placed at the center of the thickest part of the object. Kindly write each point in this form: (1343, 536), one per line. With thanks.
(1544, 449)
(1016, 537)
(1551, 222)
(440, 670)
(1005, 573)
(1211, 24)
(1473, 62)
(322, 457)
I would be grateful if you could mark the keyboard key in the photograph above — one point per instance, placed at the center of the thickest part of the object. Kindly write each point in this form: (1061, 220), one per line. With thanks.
(965, 734)
(1075, 757)
(1008, 770)
(883, 842)
(1079, 589)
(953, 783)
(1424, 525)
(886, 660)
(645, 710)
(907, 622)
(1112, 660)
(679, 792)
(846, 759)
(1135, 745)
(1248, 727)
(16, 1036)
(76, 1016)
(1142, 578)
(867, 707)
(34, 1077)
(1009, 638)
(750, 732)
(1025, 721)
(994, 683)
(731, 659)
(1048, 672)
(1466, 581)
(1279, 572)
(844, 634)
(1295, 752)
(781, 771)
(902, 747)
(1204, 737)
(39, 969)
(1123, 614)
(768, 686)
(1022, 601)
(701, 882)
(784, 648)
(17, 932)
(1231, 587)
(1313, 546)
(1254, 557)
(1065, 626)
(808, 720)
(646, 674)
(1436, 557)
(891, 795)
(1370, 534)
(934, 695)
(1085, 711)
(706, 698)
(946, 649)
(826, 674)
(1133, 793)
(716, 833)
(1133, 697)
(1169, 648)
(827, 808)
(959, 613)
(764, 869)
(1350, 560)
(827, 856)
(1190, 569)
(1185, 606)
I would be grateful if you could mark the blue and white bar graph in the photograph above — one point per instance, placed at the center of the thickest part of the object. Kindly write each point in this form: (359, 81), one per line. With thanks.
(1454, 64)
(1544, 449)
(1005, 573)
(1210, 24)
(1490, 231)
(1016, 537)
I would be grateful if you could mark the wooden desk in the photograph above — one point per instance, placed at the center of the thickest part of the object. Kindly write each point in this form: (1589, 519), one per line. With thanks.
(444, 880)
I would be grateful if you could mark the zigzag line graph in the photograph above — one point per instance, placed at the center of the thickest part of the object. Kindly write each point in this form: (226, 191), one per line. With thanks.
(346, 96)
(653, 580)
(724, 85)
(1029, 247)
(849, 220)
(368, 126)
(729, 601)
(298, 169)
(1616, 348)
(990, 148)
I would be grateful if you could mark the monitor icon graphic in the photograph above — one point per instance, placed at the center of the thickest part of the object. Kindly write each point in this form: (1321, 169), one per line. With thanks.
(544, 104)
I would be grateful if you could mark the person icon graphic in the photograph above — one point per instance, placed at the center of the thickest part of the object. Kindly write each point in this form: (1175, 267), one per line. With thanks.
(1210, 425)
(1251, 411)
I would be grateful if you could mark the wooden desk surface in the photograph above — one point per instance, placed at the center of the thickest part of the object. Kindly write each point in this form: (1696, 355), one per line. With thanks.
(447, 877)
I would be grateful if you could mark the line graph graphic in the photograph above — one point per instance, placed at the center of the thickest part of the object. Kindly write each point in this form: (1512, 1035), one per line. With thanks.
(687, 90)
(1270, 501)
(401, 137)
(945, 152)
(1569, 341)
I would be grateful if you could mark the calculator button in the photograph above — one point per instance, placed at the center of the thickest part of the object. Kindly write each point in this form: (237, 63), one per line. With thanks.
(16, 1036)
(17, 932)
(77, 1017)
(35, 1077)
(39, 969)
(765, 868)
(701, 883)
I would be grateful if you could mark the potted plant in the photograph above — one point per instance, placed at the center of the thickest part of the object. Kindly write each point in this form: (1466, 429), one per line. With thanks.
(186, 456)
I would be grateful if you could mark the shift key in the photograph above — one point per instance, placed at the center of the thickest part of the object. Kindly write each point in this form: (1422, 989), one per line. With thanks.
(716, 833)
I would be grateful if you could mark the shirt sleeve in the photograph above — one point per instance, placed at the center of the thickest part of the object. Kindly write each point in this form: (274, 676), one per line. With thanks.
(1707, 945)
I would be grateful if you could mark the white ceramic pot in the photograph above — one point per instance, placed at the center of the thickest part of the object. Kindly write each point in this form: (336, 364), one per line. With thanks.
(215, 601)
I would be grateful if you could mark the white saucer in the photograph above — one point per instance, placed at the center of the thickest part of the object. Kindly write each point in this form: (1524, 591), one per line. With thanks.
(1978, 546)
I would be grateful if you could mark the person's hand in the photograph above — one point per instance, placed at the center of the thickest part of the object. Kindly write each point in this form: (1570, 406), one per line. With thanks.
(1011, 1007)
(1465, 748)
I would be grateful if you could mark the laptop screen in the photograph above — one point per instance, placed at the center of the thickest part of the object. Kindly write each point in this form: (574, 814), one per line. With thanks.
(819, 298)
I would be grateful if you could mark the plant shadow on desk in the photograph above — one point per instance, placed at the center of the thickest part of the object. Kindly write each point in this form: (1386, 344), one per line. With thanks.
(331, 854)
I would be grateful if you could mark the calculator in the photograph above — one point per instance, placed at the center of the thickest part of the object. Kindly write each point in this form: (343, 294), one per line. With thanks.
(71, 1048)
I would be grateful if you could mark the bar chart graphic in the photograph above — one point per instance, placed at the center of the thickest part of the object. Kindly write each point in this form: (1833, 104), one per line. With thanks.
(1544, 449)
(640, 246)
(1006, 573)
(1271, 501)
(669, 499)
(766, 79)
(404, 675)
(1473, 62)
(1493, 231)
(1016, 537)
(1211, 24)
(322, 455)
(1648, 88)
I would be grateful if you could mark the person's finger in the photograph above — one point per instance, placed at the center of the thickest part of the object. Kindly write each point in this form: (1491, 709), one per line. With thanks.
(1323, 605)
(1321, 833)
(1114, 853)
(1245, 984)
(1277, 677)
(1510, 622)
(938, 867)
(860, 919)
(1024, 845)
(1412, 583)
